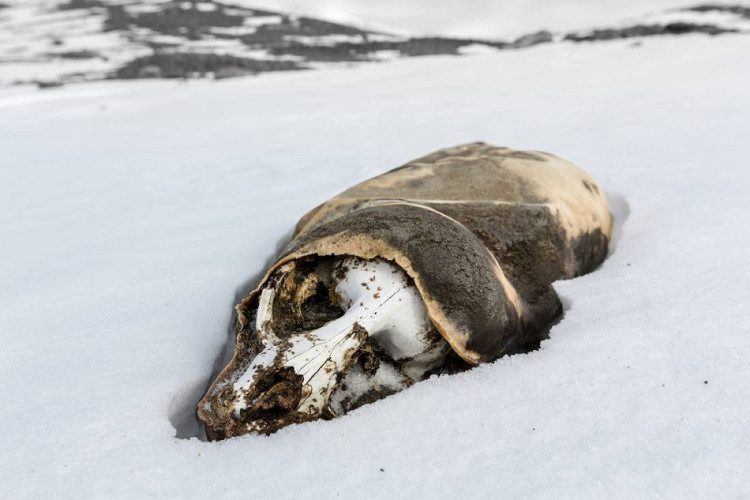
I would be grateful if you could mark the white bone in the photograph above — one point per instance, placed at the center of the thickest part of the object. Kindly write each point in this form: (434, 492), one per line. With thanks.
(378, 297)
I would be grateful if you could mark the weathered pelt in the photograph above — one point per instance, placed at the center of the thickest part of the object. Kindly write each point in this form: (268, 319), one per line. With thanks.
(447, 259)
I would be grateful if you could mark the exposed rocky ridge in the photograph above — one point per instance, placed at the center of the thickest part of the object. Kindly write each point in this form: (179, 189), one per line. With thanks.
(732, 9)
(52, 42)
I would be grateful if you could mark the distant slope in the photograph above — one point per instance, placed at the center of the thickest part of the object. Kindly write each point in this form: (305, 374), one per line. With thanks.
(51, 42)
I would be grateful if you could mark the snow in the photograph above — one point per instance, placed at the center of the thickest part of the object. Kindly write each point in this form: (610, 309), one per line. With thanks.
(332, 40)
(39, 42)
(28, 32)
(493, 19)
(476, 49)
(234, 30)
(132, 215)
(33, 31)
(256, 21)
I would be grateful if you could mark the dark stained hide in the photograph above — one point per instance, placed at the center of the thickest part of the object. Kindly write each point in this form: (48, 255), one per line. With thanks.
(482, 231)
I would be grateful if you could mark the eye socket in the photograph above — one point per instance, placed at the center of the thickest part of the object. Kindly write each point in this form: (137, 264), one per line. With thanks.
(304, 300)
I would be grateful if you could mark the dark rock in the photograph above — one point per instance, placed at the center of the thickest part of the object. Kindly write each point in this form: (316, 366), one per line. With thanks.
(643, 30)
(81, 4)
(532, 39)
(731, 9)
(186, 65)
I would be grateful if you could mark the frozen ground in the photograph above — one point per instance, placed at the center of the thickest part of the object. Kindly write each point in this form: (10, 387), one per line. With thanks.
(130, 214)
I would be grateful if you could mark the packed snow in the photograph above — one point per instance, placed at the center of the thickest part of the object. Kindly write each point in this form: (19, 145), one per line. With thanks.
(133, 215)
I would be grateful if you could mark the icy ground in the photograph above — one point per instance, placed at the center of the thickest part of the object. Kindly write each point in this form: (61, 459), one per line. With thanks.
(130, 214)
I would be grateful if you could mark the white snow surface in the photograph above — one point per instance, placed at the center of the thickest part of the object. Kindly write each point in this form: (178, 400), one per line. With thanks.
(131, 213)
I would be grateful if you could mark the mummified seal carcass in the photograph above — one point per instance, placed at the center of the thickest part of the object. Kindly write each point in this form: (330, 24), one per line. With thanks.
(449, 258)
